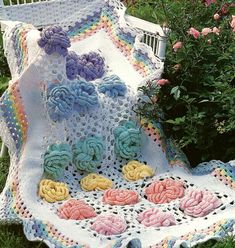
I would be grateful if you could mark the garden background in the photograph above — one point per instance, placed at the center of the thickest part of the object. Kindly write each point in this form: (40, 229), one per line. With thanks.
(195, 99)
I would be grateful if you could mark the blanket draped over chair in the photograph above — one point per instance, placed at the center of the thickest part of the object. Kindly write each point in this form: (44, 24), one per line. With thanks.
(85, 171)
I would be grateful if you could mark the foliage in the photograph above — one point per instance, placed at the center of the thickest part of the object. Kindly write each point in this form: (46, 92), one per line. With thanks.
(196, 108)
(4, 70)
(227, 242)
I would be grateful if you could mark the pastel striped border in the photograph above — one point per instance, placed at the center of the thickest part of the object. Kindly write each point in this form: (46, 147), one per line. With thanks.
(18, 38)
(107, 20)
(14, 115)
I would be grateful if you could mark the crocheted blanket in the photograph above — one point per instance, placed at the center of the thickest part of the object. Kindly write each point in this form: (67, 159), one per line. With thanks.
(84, 170)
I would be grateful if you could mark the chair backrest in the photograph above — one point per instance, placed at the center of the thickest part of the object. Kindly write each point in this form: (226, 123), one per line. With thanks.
(43, 13)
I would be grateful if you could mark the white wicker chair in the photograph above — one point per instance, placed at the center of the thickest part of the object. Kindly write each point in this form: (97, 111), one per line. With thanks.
(43, 13)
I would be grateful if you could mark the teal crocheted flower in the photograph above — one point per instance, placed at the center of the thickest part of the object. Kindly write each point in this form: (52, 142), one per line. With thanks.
(56, 158)
(127, 140)
(88, 153)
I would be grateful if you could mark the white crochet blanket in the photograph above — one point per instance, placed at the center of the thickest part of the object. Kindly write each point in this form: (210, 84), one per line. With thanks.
(29, 126)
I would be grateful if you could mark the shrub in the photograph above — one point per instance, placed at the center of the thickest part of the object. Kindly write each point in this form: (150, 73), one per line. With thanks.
(196, 107)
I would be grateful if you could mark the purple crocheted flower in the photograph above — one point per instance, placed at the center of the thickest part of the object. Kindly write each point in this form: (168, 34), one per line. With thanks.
(72, 65)
(54, 39)
(90, 66)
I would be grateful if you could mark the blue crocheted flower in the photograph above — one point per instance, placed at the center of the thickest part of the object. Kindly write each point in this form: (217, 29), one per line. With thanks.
(72, 65)
(88, 153)
(127, 140)
(56, 158)
(54, 39)
(86, 96)
(60, 101)
(90, 66)
(112, 86)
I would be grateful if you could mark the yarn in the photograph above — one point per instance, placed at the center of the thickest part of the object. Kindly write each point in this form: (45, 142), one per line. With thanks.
(95, 182)
(120, 197)
(52, 191)
(109, 225)
(112, 86)
(88, 153)
(198, 203)
(60, 102)
(135, 170)
(54, 39)
(127, 140)
(90, 66)
(156, 218)
(86, 97)
(56, 158)
(76, 210)
(71, 65)
(165, 191)
(134, 243)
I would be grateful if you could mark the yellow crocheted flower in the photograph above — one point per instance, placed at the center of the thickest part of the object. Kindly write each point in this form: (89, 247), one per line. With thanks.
(134, 171)
(53, 191)
(94, 181)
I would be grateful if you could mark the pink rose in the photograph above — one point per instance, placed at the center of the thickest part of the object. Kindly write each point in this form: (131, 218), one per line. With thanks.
(177, 67)
(162, 82)
(209, 2)
(216, 30)
(177, 46)
(194, 32)
(216, 16)
(232, 24)
(206, 31)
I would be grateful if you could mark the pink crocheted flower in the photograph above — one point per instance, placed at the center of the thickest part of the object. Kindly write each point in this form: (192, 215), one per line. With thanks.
(156, 218)
(120, 197)
(164, 191)
(198, 203)
(76, 210)
(109, 224)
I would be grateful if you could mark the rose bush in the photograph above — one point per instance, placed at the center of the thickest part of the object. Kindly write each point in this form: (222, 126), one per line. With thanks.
(196, 106)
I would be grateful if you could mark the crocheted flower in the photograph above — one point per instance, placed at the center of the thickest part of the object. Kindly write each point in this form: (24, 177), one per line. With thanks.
(88, 153)
(120, 197)
(127, 140)
(53, 191)
(164, 191)
(60, 102)
(95, 182)
(109, 225)
(156, 218)
(86, 97)
(112, 86)
(198, 203)
(90, 66)
(76, 210)
(72, 65)
(134, 171)
(54, 39)
(56, 158)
